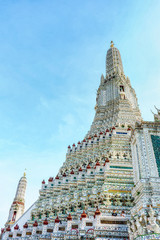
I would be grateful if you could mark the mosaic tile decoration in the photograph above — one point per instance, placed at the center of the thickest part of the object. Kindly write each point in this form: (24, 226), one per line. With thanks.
(156, 148)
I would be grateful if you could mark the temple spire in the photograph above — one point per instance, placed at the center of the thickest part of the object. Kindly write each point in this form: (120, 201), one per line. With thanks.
(18, 205)
(116, 101)
(113, 60)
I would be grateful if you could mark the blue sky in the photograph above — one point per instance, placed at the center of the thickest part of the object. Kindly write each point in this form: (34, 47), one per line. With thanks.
(52, 54)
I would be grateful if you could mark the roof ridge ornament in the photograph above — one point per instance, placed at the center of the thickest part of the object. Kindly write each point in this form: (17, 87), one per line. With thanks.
(156, 116)
(158, 110)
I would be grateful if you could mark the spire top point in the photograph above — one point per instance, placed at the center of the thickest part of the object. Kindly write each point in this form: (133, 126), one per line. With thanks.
(112, 44)
(24, 174)
(113, 60)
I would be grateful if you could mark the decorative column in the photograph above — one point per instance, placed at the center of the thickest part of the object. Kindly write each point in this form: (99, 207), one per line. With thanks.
(64, 177)
(43, 184)
(72, 175)
(25, 226)
(80, 173)
(107, 133)
(79, 146)
(45, 224)
(50, 181)
(89, 141)
(84, 144)
(97, 166)
(83, 220)
(8, 230)
(69, 222)
(88, 169)
(69, 149)
(97, 217)
(15, 231)
(106, 165)
(73, 147)
(35, 225)
(101, 136)
(56, 225)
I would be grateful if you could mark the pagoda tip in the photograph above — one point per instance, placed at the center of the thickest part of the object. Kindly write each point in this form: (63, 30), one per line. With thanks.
(112, 44)
(24, 174)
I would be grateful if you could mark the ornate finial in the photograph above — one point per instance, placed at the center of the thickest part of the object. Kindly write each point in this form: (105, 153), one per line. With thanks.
(158, 110)
(24, 172)
(156, 116)
(112, 44)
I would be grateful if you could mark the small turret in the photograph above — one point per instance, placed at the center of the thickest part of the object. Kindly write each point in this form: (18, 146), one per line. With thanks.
(18, 205)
